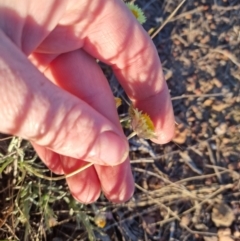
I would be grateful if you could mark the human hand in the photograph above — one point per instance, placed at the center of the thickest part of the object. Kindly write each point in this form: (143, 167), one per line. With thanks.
(54, 94)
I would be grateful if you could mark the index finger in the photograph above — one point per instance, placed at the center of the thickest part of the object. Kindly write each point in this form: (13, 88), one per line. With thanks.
(109, 31)
(120, 41)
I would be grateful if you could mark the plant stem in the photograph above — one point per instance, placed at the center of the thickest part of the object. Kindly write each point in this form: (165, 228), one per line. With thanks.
(124, 119)
(131, 135)
(61, 177)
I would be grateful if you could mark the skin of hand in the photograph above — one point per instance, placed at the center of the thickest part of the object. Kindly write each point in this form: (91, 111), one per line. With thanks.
(54, 94)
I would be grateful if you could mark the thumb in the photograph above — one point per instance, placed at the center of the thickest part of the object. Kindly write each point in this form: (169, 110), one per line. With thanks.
(35, 109)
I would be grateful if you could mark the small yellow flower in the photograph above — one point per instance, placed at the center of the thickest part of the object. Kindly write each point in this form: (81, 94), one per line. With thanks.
(141, 123)
(118, 101)
(100, 220)
(137, 12)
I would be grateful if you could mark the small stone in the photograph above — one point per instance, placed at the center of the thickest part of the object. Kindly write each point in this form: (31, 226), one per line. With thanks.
(213, 238)
(205, 40)
(208, 182)
(225, 238)
(168, 75)
(223, 62)
(180, 136)
(225, 140)
(225, 234)
(208, 102)
(205, 7)
(221, 129)
(191, 119)
(222, 215)
(232, 166)
(188, 16)
(209, 16)
(185, 220)
(201, 226)
(213, 26)
(220, 107)
(236, 234)
(176, 42)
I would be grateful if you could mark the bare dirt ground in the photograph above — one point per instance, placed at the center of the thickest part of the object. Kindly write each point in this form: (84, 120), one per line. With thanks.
(188, 189)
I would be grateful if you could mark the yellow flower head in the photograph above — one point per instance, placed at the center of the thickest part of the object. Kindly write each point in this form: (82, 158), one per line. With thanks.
(100, 220)
(137, 12)
(141, 123)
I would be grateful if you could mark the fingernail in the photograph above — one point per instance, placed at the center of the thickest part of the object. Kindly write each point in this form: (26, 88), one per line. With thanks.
(109, 149)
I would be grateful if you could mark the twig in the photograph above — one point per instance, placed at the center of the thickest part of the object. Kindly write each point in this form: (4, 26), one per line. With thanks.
(173, 187)
(200, 177)
(8, 155)
(228, 55)
(182, 15)
(198, 96)
(6, 214)
(230, 8)
(127, 118)
(224, 169)
(168, 19)
(220, 51)
(132, 135)
(159, 203)
(6, 138)
(164, 198)
(11, 231)
(152, 174)
(147, 210)
(198, 232)
(178, 37)
(212, 160)
(141, 161)
(221, 189)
